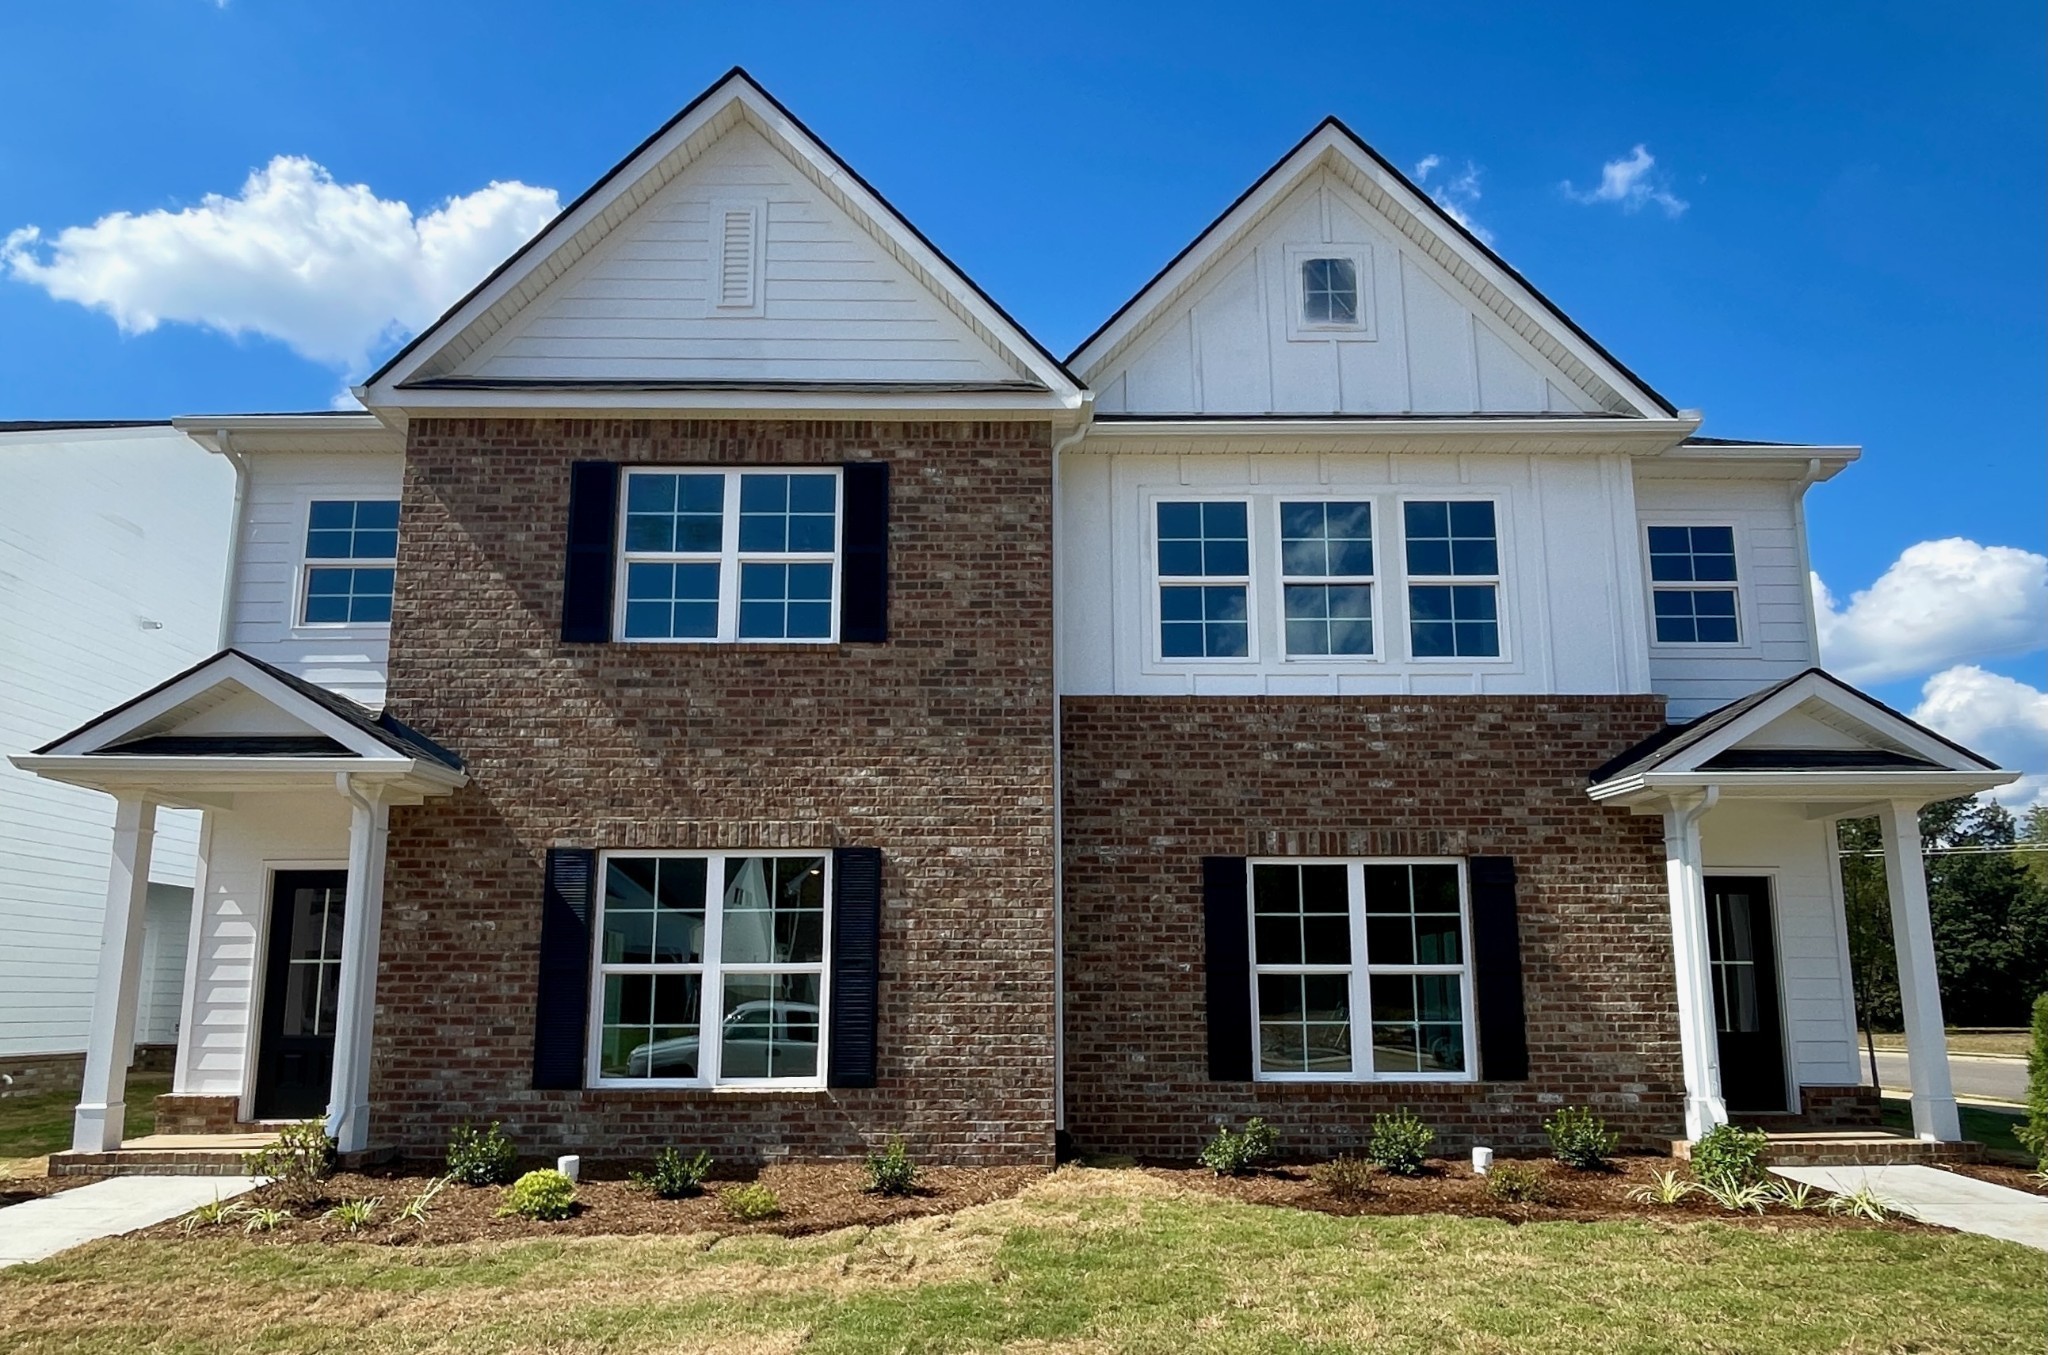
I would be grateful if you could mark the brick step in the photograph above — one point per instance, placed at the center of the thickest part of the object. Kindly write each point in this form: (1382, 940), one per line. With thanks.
(1853, 1149)
(158, 1162)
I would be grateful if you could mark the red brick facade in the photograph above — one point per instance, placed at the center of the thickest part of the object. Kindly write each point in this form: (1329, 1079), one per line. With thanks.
(1154, 784)
(935, 747)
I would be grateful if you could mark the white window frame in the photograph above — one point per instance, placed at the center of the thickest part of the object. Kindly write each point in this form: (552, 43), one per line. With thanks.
(1278, 554)
(303, 586)
(1155, 610)
(729, 557)
(1498, 579)
(712, 971)
(1361, 969)
(1745, 626)
(1299, 328)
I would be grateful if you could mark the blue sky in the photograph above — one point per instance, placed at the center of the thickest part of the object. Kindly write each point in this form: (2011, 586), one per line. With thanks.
(1859, 257)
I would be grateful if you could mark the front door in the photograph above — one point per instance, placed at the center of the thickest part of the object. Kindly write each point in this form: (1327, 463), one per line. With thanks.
(1744, 964)
(302, 982)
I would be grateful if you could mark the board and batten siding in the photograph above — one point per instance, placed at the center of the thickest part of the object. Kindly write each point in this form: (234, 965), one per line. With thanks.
(828, 303)
(1774, 596)
(113, 545)
(269, 572)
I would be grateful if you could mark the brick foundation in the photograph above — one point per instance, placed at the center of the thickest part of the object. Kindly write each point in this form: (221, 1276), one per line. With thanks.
(1823, 1108)
(935, 747)
(198, 1115)
(37, 1074)
(1153, 784)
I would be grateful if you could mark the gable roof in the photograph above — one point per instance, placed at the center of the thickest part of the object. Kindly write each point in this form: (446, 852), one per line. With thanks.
(1490, 278)
(414, 372)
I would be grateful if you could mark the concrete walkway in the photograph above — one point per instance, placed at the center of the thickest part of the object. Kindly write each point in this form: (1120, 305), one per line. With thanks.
(120, 1204)
(1947, 1198)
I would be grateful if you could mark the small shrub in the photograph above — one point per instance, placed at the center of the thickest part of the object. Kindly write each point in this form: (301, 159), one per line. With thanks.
(415, 1209)
(1742, 1197)
(1727, 1154)
(1859, 1203)
(210, 1215)
(354, 1215)
(263, 1220)
(1347, 1178)
(298, 1163)
(546, 1195)
(891, 1172)
(481, 1157)
(1580, 1139)
(1517, 1183)
(2032, 1132)
(1666, 1187)
(1399, 1142)
(750, 1203)
(1237, 1153)
(675, 1177)
(1796, 1196)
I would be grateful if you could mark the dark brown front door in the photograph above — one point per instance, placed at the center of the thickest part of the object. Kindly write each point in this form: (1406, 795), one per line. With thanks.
(1744, 964)
(301, 985)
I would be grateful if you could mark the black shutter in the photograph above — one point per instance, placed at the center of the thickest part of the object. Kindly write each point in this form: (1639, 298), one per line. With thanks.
(1497, 970)
(559, 1015)
(864, 554)
(856, 965)
(1228, 959)
(587, 573)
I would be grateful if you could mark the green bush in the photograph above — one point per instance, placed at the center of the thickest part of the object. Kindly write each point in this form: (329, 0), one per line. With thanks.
(750, 1203)
(1347, 1178)
(297, 1164)
(1725, 1155)
(674, 1176)
(1580, 1139)
(546, 1195)
(1399, 1142)
(1236, 1153)
(481, 1157)
(891, 1172)
(1517, 1183)
(2032, 1131)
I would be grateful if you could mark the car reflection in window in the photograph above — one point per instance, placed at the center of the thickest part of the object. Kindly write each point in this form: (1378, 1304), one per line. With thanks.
(761, 1039)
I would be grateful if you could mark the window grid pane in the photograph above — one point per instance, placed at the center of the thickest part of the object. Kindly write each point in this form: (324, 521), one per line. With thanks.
(1696, 616)
(346, 596)
(352, 529)
(1204, 541)
(1329, 291)
(729, 555)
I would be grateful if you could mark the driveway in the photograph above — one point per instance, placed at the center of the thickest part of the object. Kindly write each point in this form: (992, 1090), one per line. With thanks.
(1974, 1076)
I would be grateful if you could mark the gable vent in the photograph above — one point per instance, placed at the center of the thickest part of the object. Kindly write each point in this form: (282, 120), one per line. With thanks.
(738, 229)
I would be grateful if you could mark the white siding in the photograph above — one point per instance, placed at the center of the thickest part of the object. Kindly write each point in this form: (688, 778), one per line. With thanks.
(1758, 838)
(160, 997)
(101, 531)
(1774, 601)
(241, 847)
(830, 303)
(1227, 346)
(268, 574)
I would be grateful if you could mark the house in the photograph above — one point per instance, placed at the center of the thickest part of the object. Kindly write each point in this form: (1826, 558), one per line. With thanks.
(112, 559)
(736, 688)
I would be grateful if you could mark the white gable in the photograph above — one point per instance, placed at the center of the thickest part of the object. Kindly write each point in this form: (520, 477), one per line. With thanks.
(228, 709)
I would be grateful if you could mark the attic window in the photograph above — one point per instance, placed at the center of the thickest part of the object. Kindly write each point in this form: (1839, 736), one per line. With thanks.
(736, 256)
(1332, 292)
(1329, 292)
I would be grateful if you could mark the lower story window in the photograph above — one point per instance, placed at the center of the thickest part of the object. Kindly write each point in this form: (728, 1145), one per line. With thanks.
(710, 969)
(1361, 970)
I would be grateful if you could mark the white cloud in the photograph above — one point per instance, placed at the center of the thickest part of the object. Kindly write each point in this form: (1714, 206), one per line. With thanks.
(331, 269)
(1940, 603)
(1455, 194)
(1632, 182)
(1996, 716)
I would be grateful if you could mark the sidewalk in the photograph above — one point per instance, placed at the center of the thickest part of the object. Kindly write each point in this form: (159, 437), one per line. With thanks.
(1947, 1198)
(121, 1204)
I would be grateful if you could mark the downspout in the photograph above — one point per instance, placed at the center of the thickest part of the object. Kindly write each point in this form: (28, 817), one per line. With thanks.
(234, 563)
(1806, 482)
(1059, 820)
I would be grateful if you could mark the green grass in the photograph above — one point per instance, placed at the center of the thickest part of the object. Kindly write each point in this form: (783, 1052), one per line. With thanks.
(1088, 1261)
(31, 1126)
(1992, 1128)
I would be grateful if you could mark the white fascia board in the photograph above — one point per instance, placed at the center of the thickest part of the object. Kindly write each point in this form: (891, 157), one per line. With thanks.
(1814, 687)
(1850, 785)
(711, 404)
(226, 667)
(1812, 464)
(113, 773)
(313, 433)
(1597, 436)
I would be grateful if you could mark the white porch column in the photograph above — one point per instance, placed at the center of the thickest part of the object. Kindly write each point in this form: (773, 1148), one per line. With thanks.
(1905, 877)
(110, 1044)
(348, 1104)
(1698, 1043)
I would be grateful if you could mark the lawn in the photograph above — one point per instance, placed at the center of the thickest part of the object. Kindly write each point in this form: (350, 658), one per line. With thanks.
(31, 1126)
(1992, 1128)
(1084, 1261)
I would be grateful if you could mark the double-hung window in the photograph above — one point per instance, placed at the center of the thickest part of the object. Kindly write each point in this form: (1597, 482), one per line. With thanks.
(1692, 585)
(1361, 970)
(717, 555)
(710, 969)
(1205, 562)
(1326, 577)
(1453, 549)
(351, 561)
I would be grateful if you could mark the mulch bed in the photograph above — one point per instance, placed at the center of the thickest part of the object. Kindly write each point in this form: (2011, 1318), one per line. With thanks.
(19, 1189)
(1999, 1174)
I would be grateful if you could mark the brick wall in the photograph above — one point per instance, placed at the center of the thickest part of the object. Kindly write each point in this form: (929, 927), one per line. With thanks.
(1154, 784)
(935, 747)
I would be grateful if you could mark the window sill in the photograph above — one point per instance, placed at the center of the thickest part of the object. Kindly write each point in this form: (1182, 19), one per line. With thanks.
(637, 1088)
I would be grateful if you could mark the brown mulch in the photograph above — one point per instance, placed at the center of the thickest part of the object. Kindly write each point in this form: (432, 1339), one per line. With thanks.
(814, 1197)
(1999, 1174)
(18, 1185)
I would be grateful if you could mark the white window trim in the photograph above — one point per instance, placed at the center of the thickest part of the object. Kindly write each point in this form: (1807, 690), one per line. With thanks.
(302, 577)
(712, 970)
(729, 557)
(1248, 581)
(1299, 329)
(1499, 578)
(1278, 553)
(1745, 624)
(1361, 969)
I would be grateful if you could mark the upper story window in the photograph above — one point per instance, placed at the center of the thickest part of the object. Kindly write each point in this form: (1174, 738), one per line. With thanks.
(710, 969)
(1685, 564)
(1205, 548)
(351, 561)
(1326, 576)
(1332, 292)
(1329, 291)
(1454, 576)
(716, 555)
(1361, 970)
